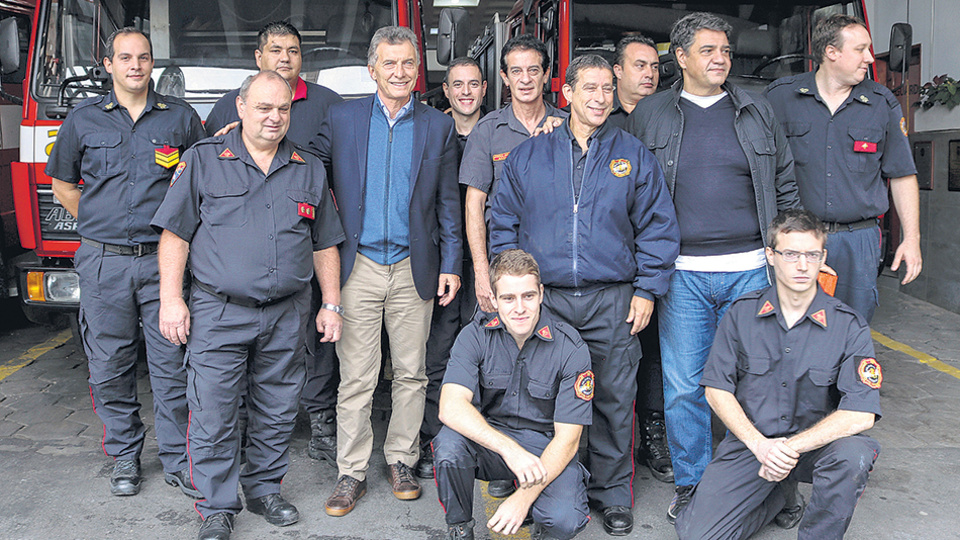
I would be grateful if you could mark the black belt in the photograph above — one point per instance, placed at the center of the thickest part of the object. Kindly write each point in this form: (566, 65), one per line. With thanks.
(850, 227)
(245, 302)
(138, 250)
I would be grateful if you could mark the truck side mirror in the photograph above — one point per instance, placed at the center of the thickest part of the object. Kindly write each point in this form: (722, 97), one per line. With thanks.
(452, 41)
(9, 45)
(901, 41)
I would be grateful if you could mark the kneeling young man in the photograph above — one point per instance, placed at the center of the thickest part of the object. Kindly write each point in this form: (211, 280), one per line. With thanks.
(793, 375)
(514, 401)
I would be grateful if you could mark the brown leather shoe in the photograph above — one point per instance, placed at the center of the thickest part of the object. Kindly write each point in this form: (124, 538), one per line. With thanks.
(405, 485)
(345, 495)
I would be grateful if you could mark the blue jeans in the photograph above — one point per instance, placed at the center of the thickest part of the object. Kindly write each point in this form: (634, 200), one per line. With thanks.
(689, 315)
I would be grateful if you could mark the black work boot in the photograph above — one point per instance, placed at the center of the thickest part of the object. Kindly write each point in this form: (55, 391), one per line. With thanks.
(216, 527)
(460, 531)
(125, 479)
(424, 468)
(654, 452)
(792, 512)
(500, 488)
(323, 436)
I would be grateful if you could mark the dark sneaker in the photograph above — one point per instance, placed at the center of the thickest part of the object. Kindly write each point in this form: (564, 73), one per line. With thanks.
(788, 518)
(181, 479)
(405, 486)
(654, 452)
(323, 436)
(125, 480)
(425, 464)
(460, 531)
(274, 509)
(345, 495)
(617, 520)
(680, 500)
(499, 489)
(216, 527)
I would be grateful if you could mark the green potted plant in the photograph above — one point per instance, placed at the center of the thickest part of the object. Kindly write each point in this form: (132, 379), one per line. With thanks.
(937, 108)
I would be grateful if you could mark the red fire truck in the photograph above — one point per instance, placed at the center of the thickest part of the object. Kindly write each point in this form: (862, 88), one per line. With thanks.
(202, 49)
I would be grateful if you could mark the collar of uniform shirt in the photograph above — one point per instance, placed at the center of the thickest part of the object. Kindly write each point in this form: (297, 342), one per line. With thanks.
(386, 112)
(816, 312)
(300, 92)
(593, 136)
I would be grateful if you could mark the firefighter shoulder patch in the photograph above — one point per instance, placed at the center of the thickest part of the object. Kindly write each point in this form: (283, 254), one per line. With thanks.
(178, 172)
(870, 373)
(584, 386)
(500, 157)
(620, 167)
(903, 126)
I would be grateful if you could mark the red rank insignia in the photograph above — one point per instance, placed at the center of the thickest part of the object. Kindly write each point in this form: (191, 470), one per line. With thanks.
(864, 146)
(820, 317)
(167, 156)
(501, 157)
(306, 210)
(584, 386)
(296, 157)
(870, 373)
(495, 322)
(178, 172)
(767, 308)
(226, 154)
(545, 333)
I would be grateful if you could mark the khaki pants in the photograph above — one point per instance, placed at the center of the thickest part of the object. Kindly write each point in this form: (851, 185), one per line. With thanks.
(373, 294)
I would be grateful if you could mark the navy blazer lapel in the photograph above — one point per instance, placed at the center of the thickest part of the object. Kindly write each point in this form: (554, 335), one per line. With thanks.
(421, 126)
(363, 135)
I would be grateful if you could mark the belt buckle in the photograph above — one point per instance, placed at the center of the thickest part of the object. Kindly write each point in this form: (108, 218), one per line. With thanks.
(138, 250)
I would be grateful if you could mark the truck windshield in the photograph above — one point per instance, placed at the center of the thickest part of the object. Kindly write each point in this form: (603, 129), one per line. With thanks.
(204, 48)
(770, 38)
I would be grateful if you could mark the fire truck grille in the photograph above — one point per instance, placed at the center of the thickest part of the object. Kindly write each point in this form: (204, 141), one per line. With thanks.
(55, 222)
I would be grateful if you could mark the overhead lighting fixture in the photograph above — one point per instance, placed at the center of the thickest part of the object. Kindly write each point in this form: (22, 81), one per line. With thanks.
(455, 3)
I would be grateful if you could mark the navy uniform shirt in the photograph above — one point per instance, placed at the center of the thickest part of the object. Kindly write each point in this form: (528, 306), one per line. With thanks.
(125, 165)
(787, 380)
(489, 144)
(618, 115)
(549, 380)
(251, 235)
(842, 159)
(309, 107)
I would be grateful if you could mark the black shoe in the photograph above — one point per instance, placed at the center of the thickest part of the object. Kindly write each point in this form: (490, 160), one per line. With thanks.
(424, 468)
(274, 509)
(460, 531)
(680, 500)
(654, 452)
(323, 436)
(181, 479)
(788, 518)
(499, 489)
(617, 520)
(216, 527)
(125, 479)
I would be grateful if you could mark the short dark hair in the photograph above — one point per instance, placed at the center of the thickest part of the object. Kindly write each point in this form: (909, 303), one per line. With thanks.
(269, 74)
(796, 220)
(626, 41)
(583, 62)
(829, 31)
(684, 31)
(125, 31)
(276, 28)
(525, 42)
(513, 262)
(461, 61)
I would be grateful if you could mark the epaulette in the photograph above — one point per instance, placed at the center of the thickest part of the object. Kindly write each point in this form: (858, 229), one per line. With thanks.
(840, 306)
(304, 150)
(568, 331)
(216, 139)
(782, 81)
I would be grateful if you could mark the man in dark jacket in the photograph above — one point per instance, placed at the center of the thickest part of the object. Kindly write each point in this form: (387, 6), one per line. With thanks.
(729, 169)
(588, 201)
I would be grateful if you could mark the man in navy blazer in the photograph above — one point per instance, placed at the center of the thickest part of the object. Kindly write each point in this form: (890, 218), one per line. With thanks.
(393, 166)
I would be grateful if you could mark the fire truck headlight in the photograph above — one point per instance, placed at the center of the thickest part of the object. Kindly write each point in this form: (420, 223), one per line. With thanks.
(62, 287)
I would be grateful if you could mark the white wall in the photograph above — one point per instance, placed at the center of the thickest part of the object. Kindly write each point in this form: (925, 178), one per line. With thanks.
(936, 26)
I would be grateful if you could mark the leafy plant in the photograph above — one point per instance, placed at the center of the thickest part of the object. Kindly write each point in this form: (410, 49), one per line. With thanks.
(943, 90)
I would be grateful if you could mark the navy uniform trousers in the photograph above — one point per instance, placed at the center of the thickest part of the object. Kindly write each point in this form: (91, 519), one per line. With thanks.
(855, 255)
(600, 317)
(117, 292)
(561, 507)
(230, 345)
(732, 501)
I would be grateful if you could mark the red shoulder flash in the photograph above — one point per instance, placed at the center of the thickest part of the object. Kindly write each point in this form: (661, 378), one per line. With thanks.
(820, 317)
(545, 333)
(870, 373)
(767, 308)
(226, 153)
(495, 322)
(296, 157)
(584, 386)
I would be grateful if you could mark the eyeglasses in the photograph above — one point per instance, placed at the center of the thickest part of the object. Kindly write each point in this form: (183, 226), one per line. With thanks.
(794, 256)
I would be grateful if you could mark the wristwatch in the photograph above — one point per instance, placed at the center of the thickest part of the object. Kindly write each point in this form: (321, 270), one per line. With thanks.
(333, 307)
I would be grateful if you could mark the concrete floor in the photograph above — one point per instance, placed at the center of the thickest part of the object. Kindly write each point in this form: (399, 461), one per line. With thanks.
(53, 475)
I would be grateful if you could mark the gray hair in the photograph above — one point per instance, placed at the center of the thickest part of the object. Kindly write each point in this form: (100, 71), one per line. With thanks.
(392, 35)
(581, 63)
(248, 82)
(684, 31)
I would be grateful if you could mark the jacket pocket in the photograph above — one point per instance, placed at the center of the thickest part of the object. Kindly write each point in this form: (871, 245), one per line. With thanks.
(225, 205)
(103, 150)
(864, 139)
